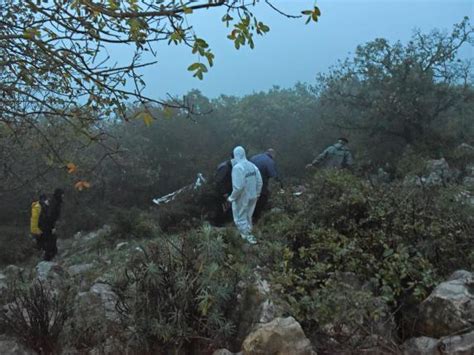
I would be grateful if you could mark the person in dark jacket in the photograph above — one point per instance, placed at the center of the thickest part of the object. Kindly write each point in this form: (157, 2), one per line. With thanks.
(54, 212)
(265, 163)
(223, 181)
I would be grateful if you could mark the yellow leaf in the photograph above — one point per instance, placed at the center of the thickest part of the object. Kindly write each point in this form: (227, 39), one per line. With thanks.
(146, 117)
(187, 10)
(71, 168)
(81, 185)
(168, 112)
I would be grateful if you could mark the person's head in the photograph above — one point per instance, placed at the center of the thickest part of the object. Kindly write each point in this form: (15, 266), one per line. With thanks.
(239, 154)
(58, 194)
(271, 152)
(43, 198)
(343, 140)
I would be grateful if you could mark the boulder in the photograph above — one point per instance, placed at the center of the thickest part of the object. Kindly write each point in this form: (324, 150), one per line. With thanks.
(79, 269)
(9, 346)
(282, 336)
(254, 306)
(108, 299)
(51, 272)
(438, 172)
(458, 345)
(450, 307)
(421, 346)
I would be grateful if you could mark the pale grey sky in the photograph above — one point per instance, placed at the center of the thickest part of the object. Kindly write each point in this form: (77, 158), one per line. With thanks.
(293, 51)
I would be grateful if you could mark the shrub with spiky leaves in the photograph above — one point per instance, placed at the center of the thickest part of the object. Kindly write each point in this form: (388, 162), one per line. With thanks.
(179, 293)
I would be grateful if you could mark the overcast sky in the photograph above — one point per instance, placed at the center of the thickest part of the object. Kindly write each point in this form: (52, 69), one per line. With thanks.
(293, 51)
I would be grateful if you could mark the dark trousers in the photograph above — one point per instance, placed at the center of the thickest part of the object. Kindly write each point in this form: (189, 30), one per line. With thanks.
(49, 245)
(261, 204)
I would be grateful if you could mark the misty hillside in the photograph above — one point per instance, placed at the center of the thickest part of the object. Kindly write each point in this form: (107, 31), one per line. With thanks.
(119, 234)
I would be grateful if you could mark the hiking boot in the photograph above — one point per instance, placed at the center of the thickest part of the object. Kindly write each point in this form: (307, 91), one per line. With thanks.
(249, 238)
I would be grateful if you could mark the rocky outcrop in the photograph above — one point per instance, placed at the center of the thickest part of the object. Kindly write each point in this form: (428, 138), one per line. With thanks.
(450, 307)
(437, 172)
(283, 336)
(254, 306)
(458, 345)
(421, 346)
(455, 345)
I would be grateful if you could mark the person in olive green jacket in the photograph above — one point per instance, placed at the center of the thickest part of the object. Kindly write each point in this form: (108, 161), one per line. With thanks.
(336, 156)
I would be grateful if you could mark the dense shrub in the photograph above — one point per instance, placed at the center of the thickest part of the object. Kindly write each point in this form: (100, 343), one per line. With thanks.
(399, 239)
(180, 292)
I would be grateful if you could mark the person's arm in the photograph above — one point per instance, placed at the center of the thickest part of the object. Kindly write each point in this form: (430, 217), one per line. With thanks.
(238, 183)
(320, 157)
(259, 182)
(273, 172)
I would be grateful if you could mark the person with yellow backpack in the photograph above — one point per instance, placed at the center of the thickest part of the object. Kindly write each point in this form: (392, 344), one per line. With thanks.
(39, 212)
(44, 214)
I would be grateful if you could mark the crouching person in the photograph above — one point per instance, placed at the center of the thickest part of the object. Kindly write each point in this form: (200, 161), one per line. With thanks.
(246, 189)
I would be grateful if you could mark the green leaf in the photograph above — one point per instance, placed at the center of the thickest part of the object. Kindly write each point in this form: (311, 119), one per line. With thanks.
(194, 66)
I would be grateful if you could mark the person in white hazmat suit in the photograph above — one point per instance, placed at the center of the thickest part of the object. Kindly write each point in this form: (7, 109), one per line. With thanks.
(246, 189)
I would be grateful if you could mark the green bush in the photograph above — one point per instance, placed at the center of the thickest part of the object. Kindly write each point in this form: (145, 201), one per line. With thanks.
(178, 294)
(401, 240)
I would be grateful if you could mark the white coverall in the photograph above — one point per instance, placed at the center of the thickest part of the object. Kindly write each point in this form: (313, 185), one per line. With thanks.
(246, 188)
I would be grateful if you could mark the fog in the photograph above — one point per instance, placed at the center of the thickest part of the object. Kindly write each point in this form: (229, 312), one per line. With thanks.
(292, 51)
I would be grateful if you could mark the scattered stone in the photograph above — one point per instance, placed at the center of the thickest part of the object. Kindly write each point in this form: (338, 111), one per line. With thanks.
(105, 230)
(458, 345)
(450, 307)
(421, 346)
(282, 336)
(121, 246)
(439, 172)
(108, 298)
(79, 269)
(49, 271)
(464, 147)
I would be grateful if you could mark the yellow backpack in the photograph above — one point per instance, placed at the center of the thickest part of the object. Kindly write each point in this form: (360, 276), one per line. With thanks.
(35, 216)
